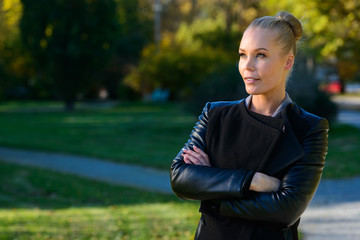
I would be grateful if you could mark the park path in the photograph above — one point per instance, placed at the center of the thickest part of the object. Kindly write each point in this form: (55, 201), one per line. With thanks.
(92, 168)
(333, 214)
(349, 117)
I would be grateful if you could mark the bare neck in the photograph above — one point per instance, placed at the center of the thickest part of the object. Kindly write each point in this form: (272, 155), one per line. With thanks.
(266, 105)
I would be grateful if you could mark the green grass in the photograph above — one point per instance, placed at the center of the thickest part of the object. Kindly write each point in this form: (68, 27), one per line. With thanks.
(137, 133)
(142, 134)
(343, 159)
(38, 204)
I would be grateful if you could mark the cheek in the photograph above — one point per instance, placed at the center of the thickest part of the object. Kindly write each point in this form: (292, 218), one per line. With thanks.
(268, 68)
(240, 67)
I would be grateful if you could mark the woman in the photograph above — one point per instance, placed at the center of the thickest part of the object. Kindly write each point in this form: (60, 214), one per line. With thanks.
(255, 164)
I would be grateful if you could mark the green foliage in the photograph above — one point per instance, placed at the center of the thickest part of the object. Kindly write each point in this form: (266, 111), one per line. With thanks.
(304, 90)
(330, 25)
(70, 41)
(172, 68)
(135, 28)
(182, 61)
(84, 45)
(224, 84)
(13, 63)
(233, 14)
(331, 29)
(41, 204)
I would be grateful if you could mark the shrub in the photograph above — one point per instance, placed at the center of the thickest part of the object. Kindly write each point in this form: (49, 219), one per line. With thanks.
(224, 84)
(303, 89)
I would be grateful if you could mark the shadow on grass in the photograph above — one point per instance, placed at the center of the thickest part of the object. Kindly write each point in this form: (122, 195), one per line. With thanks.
(28, 187)
(159, 131)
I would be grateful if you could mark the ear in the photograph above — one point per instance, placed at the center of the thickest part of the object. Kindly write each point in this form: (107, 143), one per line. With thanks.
(289, 61)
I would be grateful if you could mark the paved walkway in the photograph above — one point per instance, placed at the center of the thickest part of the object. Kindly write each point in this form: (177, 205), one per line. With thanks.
(333, 214)
(350, 117)
(347, 102)
(92, 168)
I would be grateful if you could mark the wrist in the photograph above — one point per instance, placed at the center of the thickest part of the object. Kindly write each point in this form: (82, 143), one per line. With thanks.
(254, 182)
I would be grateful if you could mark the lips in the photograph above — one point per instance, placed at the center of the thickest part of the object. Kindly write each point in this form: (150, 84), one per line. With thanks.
(251, 79)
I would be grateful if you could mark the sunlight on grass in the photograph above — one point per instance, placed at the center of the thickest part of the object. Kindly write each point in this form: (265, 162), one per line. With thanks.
(38, 204)
(139, 221)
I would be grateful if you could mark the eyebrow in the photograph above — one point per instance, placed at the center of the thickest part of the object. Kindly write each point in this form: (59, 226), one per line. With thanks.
(258, 49)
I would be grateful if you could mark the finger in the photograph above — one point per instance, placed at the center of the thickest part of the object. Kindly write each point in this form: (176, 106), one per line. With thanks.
(193, 153)
(194, 160)
(197, 161)
(198, 157)
(201, 152)
(204, 156)
(186, 160)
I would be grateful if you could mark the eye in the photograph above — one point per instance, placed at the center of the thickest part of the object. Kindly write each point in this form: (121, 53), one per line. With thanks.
(242, 55)
(260, 55)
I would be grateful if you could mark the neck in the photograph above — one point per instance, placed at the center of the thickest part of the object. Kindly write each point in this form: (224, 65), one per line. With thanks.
(266, 105)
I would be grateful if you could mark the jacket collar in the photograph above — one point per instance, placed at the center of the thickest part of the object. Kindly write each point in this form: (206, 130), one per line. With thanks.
(289, 148)
(287, 100)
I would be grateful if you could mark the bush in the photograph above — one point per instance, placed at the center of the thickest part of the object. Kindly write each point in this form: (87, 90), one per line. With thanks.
(224, 84)
(182, 61)
(174, 68)
(303, 89)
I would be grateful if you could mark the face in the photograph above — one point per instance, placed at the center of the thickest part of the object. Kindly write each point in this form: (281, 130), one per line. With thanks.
(263, 65)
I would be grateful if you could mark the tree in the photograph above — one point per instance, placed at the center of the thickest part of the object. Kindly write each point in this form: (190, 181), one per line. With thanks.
(69, 41)
(331, 28)
(181, 61)
(135, 23)
(199, 38)
(12, 61)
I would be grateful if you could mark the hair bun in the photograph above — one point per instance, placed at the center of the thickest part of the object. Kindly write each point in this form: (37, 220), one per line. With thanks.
(293, 22)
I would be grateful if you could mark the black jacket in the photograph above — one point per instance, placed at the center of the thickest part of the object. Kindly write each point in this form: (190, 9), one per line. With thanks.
(298, 161)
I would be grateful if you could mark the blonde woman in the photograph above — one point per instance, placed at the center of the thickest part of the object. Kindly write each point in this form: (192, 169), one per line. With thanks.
(255, 163)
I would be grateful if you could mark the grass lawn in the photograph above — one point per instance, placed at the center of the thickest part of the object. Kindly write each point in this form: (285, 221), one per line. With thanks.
(144, 134)
(38, 204)
(137, 133)
(343, 159)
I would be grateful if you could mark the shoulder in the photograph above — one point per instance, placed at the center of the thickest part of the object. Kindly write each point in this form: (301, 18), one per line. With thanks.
(220, 106)
(300, 114)
(304, 122)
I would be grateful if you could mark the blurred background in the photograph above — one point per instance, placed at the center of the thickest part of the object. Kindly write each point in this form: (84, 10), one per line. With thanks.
(124, 80)
(163, 50)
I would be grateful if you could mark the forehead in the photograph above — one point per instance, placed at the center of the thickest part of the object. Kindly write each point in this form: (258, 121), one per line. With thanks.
(255, 38)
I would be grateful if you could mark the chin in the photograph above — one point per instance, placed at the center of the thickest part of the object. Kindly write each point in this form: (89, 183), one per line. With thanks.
(252, 91)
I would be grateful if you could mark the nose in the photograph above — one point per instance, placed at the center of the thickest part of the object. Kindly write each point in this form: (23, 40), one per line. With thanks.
(248, 64)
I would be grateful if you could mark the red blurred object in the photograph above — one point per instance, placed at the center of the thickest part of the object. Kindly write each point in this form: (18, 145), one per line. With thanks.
(333, 87)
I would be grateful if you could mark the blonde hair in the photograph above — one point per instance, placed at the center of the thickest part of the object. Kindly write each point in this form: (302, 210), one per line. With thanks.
(288, 26)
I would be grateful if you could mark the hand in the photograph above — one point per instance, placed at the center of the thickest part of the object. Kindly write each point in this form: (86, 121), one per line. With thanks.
(264, 183)
(196, 157)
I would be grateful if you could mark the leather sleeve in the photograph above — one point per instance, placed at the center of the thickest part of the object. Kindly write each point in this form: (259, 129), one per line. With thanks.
(297, 188)
(204, 183)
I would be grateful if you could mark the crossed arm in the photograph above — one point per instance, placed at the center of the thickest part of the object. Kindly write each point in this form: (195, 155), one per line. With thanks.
(259, 183)
(283, 201)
